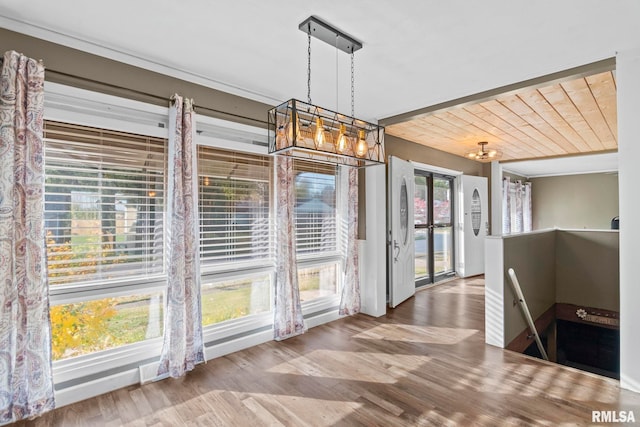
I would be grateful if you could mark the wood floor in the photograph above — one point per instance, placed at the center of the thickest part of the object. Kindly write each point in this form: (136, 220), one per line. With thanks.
(425, 363)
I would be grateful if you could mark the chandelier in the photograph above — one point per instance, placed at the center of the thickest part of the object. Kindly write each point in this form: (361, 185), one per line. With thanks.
(483, 154)
(303, 130)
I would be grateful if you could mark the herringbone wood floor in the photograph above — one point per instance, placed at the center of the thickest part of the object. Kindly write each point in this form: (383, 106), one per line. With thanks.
(424, 363)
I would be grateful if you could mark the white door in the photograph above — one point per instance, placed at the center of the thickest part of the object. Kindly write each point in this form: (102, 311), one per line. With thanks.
(400, 223)
(475, 224)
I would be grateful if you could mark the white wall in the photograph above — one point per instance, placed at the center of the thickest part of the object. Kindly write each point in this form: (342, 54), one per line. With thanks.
(494, 292)
(628, 81)
(373, 250)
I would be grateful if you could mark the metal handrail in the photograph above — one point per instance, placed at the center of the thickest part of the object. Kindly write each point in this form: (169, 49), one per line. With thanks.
(525, 312)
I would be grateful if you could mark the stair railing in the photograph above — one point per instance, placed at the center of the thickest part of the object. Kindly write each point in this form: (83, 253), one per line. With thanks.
(526, 313)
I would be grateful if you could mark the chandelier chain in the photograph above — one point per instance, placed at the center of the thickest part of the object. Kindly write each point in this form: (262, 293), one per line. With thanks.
(353, 103)
(309, 65)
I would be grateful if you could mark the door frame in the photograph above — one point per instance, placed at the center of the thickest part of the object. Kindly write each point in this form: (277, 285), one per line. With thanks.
(456, 192)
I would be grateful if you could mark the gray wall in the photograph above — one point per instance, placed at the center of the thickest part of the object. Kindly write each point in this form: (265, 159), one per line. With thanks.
(533, 257)
(572, 267)
(80, 69)
(587, 268)
(575, 201)
(408, 150)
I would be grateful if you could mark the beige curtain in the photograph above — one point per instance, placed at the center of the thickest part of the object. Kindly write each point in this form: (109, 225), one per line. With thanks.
(183, 346)
(288, 321)
(26, 382)
(350, 297)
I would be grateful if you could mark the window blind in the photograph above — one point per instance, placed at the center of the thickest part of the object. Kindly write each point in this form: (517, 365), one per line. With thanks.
(315, 210)
(104, 194)
(234, 194)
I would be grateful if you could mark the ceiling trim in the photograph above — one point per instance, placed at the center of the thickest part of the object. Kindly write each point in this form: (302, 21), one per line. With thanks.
(601, 66)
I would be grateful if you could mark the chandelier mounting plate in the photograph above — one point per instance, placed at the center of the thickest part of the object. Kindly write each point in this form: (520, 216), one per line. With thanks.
(330, 35)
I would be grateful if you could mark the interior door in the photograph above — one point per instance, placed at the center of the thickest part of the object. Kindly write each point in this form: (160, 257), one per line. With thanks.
(400, 224)
(475, 224)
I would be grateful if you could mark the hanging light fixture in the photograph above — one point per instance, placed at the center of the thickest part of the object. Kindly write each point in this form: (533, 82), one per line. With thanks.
(303, 130)
(483, 154)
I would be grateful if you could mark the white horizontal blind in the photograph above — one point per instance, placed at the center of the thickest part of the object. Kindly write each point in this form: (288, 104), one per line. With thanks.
(234, 190)
(104, 193)
(315, 210)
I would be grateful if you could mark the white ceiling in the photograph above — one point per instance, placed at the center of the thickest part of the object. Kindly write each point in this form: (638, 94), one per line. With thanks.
(416, 53)
(573, 165)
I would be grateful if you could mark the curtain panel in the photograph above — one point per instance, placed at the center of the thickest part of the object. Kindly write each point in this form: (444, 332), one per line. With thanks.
(516, 207)
(527, 214)
(288, 320)
(350, 301)
(183, 346)
(26, 382)
(506, 207)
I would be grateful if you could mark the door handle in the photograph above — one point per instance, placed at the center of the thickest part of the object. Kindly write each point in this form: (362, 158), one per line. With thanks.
(396, 247)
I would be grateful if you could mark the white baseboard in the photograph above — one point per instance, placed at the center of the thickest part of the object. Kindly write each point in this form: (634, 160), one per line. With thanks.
(96, 387)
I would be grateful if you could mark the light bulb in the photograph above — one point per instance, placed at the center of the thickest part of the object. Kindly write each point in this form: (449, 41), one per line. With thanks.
(290, 128)
(362, 146)
(320, 137)
(342, 139)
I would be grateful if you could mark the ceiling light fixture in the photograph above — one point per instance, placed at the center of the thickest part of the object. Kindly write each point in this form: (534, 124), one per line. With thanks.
(303, 130)
(483, 154)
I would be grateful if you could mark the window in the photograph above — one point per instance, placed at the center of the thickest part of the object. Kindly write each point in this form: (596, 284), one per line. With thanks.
(316, 229)
(315, 210)
(234, 205)
(89, 326)
(104, 194)
(234, 192)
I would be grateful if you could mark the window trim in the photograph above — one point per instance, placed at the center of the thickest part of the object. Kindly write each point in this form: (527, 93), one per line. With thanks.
(68, 294)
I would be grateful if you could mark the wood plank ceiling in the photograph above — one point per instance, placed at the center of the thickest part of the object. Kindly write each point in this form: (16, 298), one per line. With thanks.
(572, 117)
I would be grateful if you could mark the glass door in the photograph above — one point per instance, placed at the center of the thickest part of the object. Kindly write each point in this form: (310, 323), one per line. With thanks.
(442, 227)
(422, 220)
(433, 227)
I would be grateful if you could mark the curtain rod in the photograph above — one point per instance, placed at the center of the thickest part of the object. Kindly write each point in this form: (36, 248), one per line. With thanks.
(150, 95)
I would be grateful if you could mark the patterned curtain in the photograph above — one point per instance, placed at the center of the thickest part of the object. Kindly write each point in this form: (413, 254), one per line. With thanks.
(527, 215)
(506, 207)
(26, 382)
(183, 344)
(350, 298)
(288, 321)
(516, 207)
